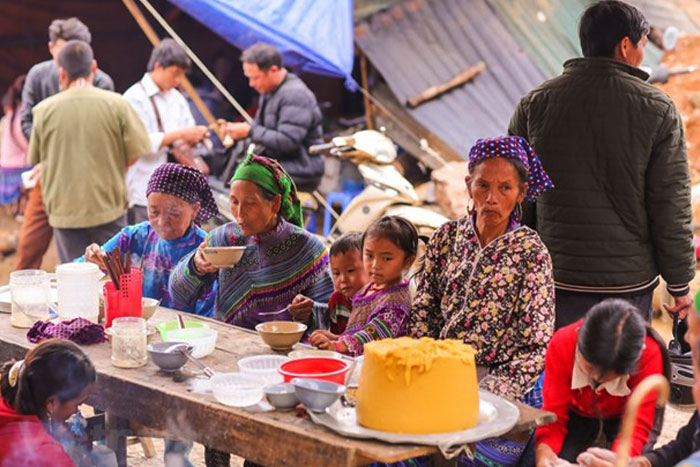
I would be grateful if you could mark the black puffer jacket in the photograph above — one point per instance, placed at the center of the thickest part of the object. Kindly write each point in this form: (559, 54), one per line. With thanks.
(613, 145)
(288, 121)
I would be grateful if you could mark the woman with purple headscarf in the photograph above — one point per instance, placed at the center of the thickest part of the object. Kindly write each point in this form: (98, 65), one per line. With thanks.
(179, 200)
(487, 280)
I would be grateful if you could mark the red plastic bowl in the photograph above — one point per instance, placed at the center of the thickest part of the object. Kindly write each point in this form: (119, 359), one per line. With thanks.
(327, 369)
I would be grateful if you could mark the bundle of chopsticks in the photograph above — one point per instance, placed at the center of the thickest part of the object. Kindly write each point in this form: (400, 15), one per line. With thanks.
(116, 266)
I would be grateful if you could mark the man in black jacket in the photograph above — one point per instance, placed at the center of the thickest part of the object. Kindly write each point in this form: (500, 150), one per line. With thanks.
(619, 214)
(288, 119)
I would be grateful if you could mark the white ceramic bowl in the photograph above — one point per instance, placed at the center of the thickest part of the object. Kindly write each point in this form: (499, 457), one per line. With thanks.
(223, 256)
(307, 353)
(148, 307)
(237, 389)
(263, 365)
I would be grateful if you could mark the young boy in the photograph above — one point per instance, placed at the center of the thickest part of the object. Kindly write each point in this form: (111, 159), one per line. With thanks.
(349, 276)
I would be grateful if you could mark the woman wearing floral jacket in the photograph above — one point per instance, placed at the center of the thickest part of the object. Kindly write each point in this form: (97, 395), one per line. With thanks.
(487, 280)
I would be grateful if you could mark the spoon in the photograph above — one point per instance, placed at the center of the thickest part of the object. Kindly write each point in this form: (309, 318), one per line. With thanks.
(270, 313)
(207, 371)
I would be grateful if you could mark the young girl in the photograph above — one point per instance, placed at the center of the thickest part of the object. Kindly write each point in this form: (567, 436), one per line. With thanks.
(38, 394)
(592, 367)
(381, 308)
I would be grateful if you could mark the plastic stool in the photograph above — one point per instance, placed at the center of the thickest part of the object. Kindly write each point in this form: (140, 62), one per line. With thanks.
(334, 197)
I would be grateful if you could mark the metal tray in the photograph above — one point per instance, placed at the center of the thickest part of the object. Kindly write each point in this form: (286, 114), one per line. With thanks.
(497, 416)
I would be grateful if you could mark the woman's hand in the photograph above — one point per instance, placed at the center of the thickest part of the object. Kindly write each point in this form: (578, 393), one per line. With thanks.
(301, 308)
(597, 457)
(321, 341)
(201, 265)
(94, 254)
(546, 457)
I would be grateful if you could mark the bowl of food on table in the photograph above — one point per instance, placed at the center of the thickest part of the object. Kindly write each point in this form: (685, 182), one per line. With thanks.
(281, 335)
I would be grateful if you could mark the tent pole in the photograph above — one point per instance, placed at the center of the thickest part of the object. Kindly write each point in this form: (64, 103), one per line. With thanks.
(197, 61)
(155, 40)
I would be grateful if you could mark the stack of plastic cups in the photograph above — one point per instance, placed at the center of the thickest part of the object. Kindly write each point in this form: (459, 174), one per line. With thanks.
(77, 291)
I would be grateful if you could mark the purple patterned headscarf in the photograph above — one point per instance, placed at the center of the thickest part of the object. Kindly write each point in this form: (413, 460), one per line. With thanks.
(513, 147)
(188, 184)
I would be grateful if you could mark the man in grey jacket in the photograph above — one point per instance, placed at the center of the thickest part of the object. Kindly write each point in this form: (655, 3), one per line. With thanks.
(42, 82)
(613, 145)
(288, 119)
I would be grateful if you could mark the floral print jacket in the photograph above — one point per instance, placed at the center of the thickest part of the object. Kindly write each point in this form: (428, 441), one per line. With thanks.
(499, 299)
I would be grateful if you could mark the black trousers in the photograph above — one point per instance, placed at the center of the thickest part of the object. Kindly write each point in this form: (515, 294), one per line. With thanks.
(583, 433)
(71, 243)
(572, 306)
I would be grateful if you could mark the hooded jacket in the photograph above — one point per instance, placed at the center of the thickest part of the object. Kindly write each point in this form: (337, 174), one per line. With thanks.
(25, 442)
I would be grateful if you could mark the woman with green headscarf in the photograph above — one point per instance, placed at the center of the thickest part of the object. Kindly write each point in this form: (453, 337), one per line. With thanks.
(283, 264)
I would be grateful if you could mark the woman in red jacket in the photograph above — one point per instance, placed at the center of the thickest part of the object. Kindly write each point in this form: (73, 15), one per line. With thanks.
(38, 394)
(591, 368)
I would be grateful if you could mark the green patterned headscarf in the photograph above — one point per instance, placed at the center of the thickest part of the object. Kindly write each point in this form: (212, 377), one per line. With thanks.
(269, 174)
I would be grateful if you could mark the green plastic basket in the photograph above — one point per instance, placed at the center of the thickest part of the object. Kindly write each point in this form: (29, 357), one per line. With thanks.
(170, 330)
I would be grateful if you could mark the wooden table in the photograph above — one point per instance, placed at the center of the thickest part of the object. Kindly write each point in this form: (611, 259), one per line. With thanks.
(156, 400)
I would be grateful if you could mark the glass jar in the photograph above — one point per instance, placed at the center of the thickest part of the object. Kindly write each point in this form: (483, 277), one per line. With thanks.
(29, 291)
(129, 342)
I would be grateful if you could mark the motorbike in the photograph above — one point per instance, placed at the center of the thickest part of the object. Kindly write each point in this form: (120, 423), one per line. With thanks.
(386, 191)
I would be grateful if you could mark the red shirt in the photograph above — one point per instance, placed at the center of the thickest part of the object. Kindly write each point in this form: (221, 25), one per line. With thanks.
(24, 441)
(339, 309)
(560, 398)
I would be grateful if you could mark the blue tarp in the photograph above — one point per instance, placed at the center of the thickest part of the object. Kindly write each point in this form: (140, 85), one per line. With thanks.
(315, 36)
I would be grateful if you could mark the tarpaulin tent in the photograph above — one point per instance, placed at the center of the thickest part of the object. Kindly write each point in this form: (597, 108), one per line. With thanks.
(313, 36)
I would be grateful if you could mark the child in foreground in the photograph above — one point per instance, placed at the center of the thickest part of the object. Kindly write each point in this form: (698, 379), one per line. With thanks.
(380, 309)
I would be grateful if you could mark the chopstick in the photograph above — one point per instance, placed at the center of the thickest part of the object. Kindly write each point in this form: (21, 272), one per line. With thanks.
(114, 263)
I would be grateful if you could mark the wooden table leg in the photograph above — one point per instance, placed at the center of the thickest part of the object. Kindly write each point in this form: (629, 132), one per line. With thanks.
(117, 429)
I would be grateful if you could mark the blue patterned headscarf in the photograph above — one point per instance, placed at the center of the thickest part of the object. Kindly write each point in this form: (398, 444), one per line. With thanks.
(513, 147)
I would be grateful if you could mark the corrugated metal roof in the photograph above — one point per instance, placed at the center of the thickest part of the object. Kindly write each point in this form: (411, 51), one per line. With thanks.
(421, 43)
(548, 29)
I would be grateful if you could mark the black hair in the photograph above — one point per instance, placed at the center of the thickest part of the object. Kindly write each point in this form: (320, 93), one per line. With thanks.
(604, 24)
(76, 59)
(265, 56)
(169, 53)
(56, 367)
(13, 99)
(69, 29)
(398, 230)
(612, 337)
(519, 167)
(347, 242)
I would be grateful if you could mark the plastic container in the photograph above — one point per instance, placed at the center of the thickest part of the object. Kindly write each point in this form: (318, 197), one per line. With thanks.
(202, 339)
(129, 342)
(237, 389)
(326, 369)
(29, 292)
(126, 301)
(166, 328)
(265, 366)
(77, 291)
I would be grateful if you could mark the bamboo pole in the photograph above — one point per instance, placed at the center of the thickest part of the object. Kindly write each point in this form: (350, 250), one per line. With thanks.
(651, 383)
(365, 85)
(155, 40)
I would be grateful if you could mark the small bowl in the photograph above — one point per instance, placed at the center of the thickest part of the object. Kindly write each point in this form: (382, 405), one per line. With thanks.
(237, 389)
(306, 353)
(223, 256)
(265, 366)
(281, 335)
(148, 307)
(317, 395)
(168, 361)
(203, 340)
(281, 396)
(321, 368)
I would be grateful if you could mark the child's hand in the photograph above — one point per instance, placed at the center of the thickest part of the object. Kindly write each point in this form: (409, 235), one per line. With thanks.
(327, 333)
(321, 341)
(301, 308)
